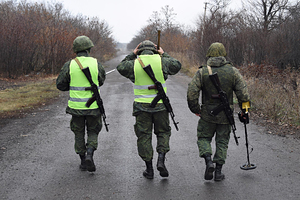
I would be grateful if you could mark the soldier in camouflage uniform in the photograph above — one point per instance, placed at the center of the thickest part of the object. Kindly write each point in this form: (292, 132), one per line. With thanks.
(162, 65)
(72, 79)
(209, 125)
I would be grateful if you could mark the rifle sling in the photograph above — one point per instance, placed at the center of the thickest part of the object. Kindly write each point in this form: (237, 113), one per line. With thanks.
(79, 64)
(209, 70)
(81, 67)
(141, 62)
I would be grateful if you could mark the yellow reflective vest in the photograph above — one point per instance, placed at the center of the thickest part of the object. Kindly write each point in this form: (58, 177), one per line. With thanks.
(143, 81)
(78, 95)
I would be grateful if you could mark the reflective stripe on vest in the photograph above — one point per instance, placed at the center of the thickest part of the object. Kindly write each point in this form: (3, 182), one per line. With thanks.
(143, 81)
(78, 95)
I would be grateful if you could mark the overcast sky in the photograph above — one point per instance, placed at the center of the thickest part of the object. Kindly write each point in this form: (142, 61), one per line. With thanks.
(127, 17)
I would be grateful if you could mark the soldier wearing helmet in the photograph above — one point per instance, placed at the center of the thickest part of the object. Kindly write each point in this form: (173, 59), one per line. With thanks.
(82, 43)
(208, 125)
(72, 79)
(162, 65)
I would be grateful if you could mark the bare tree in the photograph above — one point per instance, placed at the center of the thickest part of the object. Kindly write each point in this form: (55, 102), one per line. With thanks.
(38, 37)
(268, 13)
(172, 33)
(214, 27)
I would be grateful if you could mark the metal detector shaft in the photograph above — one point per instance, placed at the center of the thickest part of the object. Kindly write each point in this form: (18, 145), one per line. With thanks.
(249, 165)
(247, 145)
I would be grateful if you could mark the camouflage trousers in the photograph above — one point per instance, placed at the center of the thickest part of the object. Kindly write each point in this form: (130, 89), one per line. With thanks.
(93, 125)
(143, 130)
(205, 133)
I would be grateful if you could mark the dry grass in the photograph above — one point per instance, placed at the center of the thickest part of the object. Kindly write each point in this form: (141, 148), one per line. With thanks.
(274, 93)
(189, 67)
(30, 94)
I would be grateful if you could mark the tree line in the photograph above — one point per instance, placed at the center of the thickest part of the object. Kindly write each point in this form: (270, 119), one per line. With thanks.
(262, 32)
(38, 37)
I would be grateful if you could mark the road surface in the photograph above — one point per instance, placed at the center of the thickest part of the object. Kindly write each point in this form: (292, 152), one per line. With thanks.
(38, 159)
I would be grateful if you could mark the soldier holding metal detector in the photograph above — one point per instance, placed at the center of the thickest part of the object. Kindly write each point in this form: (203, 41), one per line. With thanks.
(148, 67)
(217, 80)
(83, 76)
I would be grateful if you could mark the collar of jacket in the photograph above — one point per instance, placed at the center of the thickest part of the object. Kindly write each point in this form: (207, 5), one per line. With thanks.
(216, 61)
(82, 53)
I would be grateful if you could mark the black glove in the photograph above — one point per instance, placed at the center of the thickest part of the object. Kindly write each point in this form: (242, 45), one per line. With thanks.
(244, 117)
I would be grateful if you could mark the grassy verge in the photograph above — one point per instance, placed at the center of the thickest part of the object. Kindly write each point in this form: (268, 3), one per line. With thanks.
(23, 97)
(274, 93)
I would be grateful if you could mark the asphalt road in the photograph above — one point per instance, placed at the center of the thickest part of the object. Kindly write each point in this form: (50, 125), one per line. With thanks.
(38, 160)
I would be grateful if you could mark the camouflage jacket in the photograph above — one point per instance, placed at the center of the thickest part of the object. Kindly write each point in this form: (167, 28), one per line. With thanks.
(170, 66)
(231, 81)
(63, 84)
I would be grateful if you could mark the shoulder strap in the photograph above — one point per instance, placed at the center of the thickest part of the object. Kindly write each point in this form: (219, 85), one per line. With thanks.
(209, 70)
(78, 62)
(141, 62)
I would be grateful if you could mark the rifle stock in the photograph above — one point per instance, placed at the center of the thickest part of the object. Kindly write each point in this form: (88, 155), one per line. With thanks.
(224, 104)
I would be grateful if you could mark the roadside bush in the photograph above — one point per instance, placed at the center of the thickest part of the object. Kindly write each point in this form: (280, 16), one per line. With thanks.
(188, 66)
(274, 93)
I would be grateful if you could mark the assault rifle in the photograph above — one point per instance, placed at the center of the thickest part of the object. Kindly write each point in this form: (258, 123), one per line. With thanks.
(96, 95)
(224, 104)
(160, 95)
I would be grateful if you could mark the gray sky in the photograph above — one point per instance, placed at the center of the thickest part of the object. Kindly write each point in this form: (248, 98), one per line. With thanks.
(127, 17)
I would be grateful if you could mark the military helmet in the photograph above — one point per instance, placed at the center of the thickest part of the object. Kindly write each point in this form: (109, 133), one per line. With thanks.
(215, 50)
(147, 45)
(82, 43)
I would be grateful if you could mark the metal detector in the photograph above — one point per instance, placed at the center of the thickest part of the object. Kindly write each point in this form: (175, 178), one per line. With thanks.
(245, 120)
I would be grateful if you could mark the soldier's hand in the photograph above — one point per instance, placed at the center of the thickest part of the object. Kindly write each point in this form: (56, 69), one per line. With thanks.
(244, 117)
(135, 51)
(160, 51)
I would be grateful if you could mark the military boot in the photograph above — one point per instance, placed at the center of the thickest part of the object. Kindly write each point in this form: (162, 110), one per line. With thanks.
(90, 165)
(218, 174)
(209, 167)
(82, 165)
(161, 165)
(148, 173)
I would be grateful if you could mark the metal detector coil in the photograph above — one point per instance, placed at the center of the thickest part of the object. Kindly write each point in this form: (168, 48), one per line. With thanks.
(248, 166)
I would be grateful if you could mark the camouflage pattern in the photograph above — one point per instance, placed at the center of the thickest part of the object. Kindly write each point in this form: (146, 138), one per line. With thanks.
(231, 81)
(145, 115)
(205, 133)
(93, 125)
(216, 50)
(143, 131)
(147, 45)
(82, 43)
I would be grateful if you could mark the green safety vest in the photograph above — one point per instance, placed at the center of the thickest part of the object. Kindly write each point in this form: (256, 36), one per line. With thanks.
(78, 95)
(143, 81)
